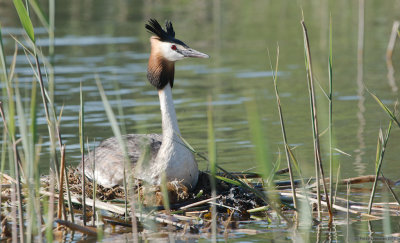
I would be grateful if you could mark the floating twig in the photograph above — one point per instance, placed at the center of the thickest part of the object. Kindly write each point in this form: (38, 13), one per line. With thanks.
(199, 203)
(76, 227)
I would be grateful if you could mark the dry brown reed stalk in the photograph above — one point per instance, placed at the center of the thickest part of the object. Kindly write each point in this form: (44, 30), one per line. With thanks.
(14, 213)
(50, 213)
(61, 185)
(278, 101)
(318, 161)
(94, 182)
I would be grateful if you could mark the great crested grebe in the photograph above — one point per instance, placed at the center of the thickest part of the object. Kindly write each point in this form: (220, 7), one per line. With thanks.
(167, 152)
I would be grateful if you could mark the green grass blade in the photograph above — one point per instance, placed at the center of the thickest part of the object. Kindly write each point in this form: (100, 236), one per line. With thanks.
(24, 18)
(117, 134)
(164, 192)
(227, 180)
(380, 162)
(22, 125)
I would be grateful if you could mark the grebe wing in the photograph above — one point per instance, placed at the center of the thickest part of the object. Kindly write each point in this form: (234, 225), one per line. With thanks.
(107, 159)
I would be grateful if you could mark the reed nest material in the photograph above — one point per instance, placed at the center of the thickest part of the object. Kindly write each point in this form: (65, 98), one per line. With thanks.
(230, 195)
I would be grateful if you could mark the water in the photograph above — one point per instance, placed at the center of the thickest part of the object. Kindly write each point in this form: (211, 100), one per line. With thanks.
(108, 39)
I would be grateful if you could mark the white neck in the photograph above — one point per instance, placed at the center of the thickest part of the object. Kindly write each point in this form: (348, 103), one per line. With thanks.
(174, 158)
(169, 121)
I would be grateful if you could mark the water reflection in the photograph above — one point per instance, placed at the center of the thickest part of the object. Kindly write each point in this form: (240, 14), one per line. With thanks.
(358, 164)
(389, 54)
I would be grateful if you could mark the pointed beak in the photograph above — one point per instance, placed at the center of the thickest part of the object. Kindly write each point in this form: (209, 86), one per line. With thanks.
(189, 52)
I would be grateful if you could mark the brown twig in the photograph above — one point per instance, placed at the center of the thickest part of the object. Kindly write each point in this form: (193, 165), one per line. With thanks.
(76, 227)
(61, 184)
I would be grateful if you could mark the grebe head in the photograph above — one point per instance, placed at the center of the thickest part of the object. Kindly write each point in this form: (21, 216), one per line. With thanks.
(165, 51)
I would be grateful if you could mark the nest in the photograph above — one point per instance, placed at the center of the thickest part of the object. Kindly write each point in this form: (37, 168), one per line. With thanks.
(178, 195)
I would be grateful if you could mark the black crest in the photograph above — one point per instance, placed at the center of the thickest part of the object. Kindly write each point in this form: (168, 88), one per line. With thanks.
(155, 28)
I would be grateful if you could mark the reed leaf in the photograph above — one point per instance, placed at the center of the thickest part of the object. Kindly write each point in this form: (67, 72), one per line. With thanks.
(385, 108)
(380, 162)
(24, 18)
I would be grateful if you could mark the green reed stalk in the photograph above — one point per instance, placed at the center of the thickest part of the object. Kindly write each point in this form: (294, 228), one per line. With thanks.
(164, 191)
(7, 90)
(28, 139)
(51, 120)
(314, 120)
(17, 163)
(278, 102)
(30, 171)
(118, 135)
(9, 133)
(142, 159)
(82, 146)
(50, 210)
(52, 14)
(383, 142)
(48, 23)
(165, 201)
(262, 157)
(61, 186)
(330, 97)
(4, 93)
(212, 155)
(119, 107)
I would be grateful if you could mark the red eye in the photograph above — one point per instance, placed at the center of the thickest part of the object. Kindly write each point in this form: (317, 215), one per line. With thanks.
(173, 47)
